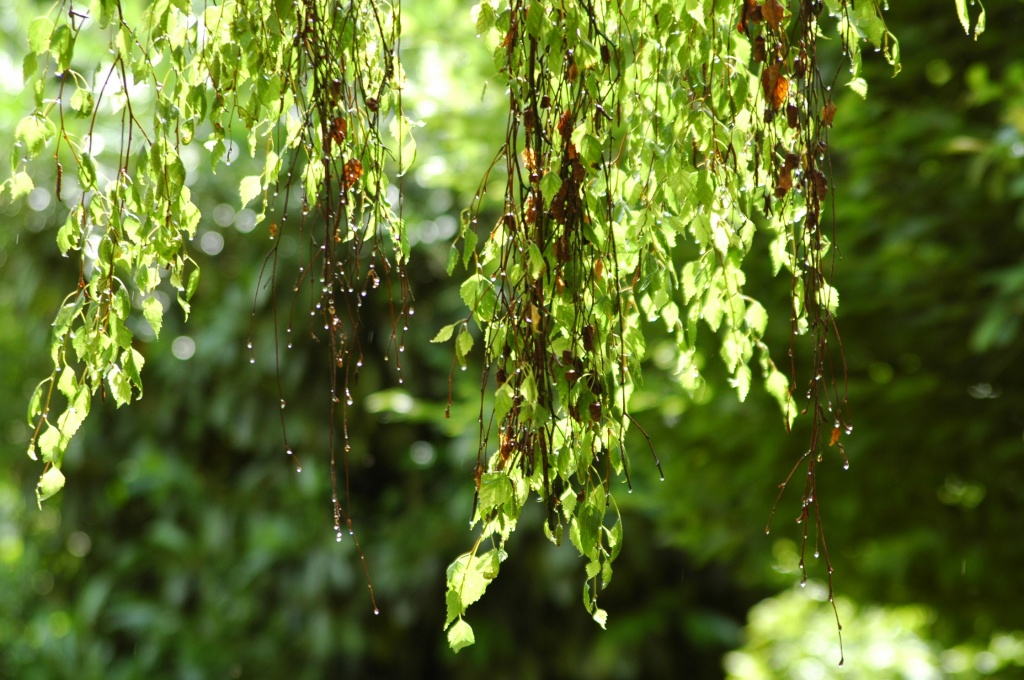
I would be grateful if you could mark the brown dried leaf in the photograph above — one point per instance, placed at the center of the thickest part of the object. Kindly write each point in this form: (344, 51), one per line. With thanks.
(565, 124)
(775, 86)
(773, 13)
(828, 113)
(760, 53)
(820, 184)
(353, 171)
(793, 116)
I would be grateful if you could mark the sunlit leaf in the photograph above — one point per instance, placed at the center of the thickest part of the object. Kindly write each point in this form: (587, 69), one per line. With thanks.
(460, 635)
(50, 483)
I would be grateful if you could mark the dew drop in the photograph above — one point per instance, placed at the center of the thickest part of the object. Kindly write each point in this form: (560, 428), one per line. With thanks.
(376, 611)
(846, 465)
(298, 468)
(339, 537)
(252, 360)
(290, 452)
(282, 401)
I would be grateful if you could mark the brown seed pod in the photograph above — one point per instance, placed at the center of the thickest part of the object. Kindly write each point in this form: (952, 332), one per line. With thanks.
(588, 337)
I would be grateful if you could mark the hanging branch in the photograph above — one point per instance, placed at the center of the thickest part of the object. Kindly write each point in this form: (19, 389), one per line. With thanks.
(645, 147)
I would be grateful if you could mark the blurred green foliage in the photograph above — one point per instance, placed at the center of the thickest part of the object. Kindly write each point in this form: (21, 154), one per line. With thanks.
(186, 546)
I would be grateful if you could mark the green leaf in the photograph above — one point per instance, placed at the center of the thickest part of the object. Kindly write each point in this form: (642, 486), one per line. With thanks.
(756, 318)
(120, 386)
(495, 491)
(777, 385)
(75, 415)
(463, 344)
(51, 445)
(153, 310)
(39, 32)
(469, 576)
(50, 483)
(549, 186)
(82, 102)
(29, 66)
(828, 297)
(961, 13)
(503, 401)
(460, 635)
(535, 19)
(741, 381)
(445, 333)
(62, 47)
(33, 133)
(537, 263)
(193, 284)
(453, 259)
(401, 130)
(859, 85)
(478, 294)
(485, 18)
(250, 188)
(35, 404)
(70, 232)
(468, 248)
(67, 384)
(87, 171)
(18, 186)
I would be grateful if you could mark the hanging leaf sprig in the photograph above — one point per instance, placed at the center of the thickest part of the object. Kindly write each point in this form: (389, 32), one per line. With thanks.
(646, 146)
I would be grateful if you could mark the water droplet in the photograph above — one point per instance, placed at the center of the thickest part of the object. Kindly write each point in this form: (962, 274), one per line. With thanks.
(339, 537)
(289, 452)
(846, 465)
(376, 611)
(282, 403)
(803, 582)
(252, 360)
(298, 468)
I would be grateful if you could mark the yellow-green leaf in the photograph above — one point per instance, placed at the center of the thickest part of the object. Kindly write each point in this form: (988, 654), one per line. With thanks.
(50, 483)
(460, 635)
